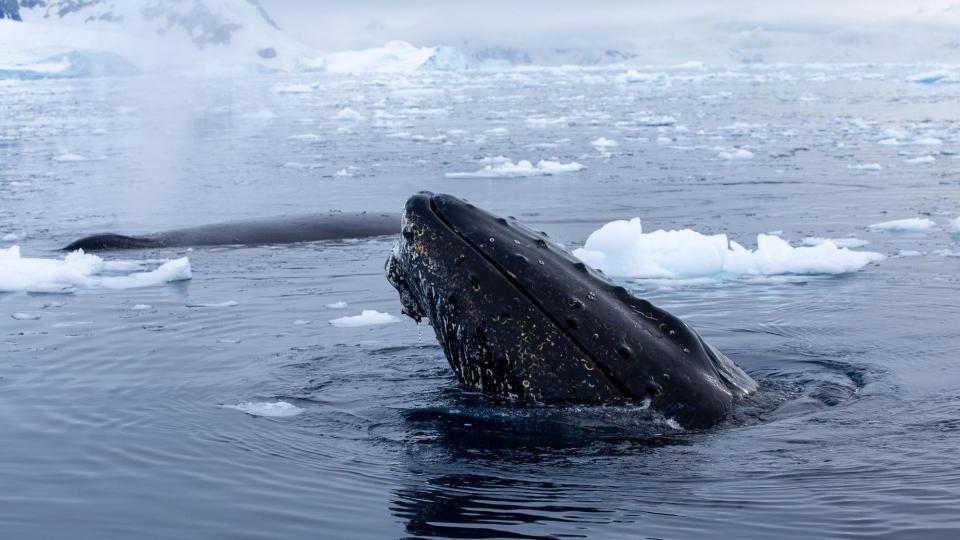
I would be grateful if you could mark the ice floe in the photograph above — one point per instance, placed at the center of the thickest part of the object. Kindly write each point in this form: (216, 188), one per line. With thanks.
(81, 270)
(920, 160)
(604, 142)
(935, 77)
(336, 305)
(735, 154)
(271, 409)
(865, 167)
(347, 114)
(955, 225)
(367, 317)
(621, 248)
(905, 225)
(523, 168)
(839, 242)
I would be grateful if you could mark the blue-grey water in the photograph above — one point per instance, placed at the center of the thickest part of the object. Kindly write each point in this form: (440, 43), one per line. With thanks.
(115, 422)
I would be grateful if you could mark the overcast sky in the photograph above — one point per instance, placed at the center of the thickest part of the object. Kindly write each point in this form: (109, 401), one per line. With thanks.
(676, 30)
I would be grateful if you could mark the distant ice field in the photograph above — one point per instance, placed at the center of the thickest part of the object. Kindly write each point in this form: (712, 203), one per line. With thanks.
(266, 396)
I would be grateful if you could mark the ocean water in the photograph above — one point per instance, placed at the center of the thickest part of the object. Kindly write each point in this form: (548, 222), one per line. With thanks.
(227, 406)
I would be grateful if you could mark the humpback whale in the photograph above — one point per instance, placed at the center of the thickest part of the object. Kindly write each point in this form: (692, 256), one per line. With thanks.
(276, 230)
(519, 317)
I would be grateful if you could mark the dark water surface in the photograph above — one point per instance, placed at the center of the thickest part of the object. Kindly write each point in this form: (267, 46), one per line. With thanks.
(113, 421)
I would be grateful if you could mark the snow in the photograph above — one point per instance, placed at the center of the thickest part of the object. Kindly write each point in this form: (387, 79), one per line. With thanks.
(367, 317)
(394, 57)
(621, 248)
(905, 225)
(80, 270)
(521, 169)
(270, 409)
(736, 154)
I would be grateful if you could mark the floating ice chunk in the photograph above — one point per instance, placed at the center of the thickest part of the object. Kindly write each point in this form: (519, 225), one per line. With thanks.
(336, 305)
(955, 225)
(69, 158)
(908, 253)
(839, 242)
(946, 253)
(347, 114)
(935, 77)
(604, 142)
(367, 317)
(497, 131)
(25, 316)
(736, 154)
(271, 409)
(79, 270)
(927, 141)
(228, 303)
(892, 141)
(633, 77)
(920, 160)
(523, 168)
(141, 307)
(621, 248)
(12, 237)
(865, 167)
(905, 225)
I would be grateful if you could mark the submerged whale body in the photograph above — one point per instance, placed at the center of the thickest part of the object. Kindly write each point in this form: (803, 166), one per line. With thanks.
(519, 317)
(277, 230)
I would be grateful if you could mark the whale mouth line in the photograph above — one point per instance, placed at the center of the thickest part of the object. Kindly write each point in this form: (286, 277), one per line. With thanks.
(607, 375)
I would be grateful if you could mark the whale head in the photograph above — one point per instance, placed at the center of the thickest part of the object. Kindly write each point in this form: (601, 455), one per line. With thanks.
(519, 317)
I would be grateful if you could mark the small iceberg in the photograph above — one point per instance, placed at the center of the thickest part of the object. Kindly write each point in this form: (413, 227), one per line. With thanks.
(604, 142)
(367, 317)
(81, 270)
(736, 154)
(935, 77)
(621, 248)
(905, 225)
(521, 169)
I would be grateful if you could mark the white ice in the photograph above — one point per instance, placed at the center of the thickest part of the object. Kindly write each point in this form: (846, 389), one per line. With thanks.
(336, 305)
(865, 167)
(920, 160)
(272, 409)
(367, 317)
(955, 225)
(839, 242)
(621, 248)
(347, 114)
(80, 270)
(523, 168)
(905, 225)
(604, 142)
(736, 154)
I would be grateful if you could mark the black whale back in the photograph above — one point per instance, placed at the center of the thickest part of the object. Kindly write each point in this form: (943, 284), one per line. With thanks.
(647, 353)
